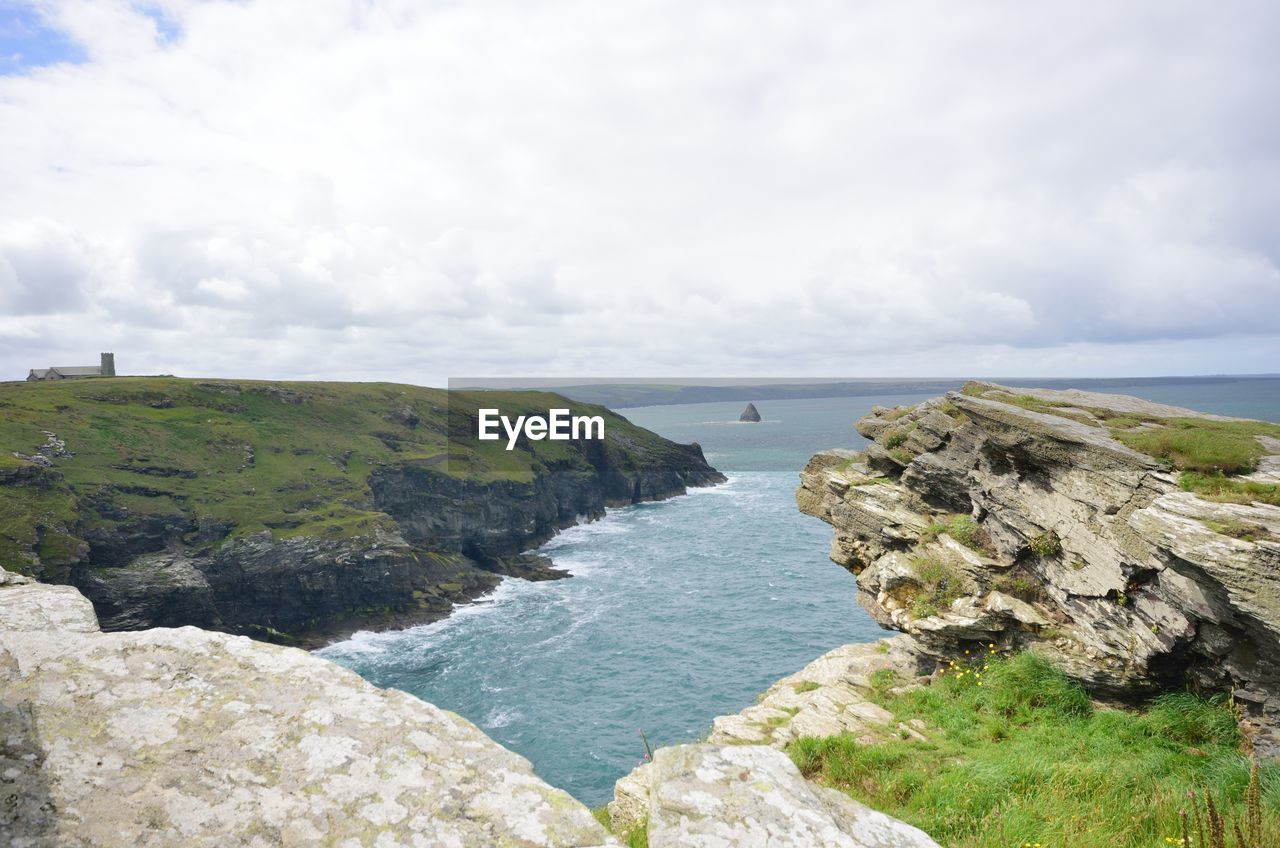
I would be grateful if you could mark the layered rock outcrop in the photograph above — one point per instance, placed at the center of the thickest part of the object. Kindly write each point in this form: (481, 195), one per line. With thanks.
(186, 737)
(1018, 516)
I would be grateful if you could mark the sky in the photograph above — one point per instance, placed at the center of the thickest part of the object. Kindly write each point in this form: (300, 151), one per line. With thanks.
(413, 191)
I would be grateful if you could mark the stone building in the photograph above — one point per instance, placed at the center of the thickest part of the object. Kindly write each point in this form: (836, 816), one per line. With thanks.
(106, 368)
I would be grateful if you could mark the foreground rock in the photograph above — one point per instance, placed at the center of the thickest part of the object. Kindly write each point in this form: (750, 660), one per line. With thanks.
(708, 796)
(750, 414)
(1014, 516)
(185, 737)
(830, 696)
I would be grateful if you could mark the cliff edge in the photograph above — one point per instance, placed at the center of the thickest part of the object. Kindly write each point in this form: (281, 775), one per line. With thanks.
(1135, 544)
(185, 737)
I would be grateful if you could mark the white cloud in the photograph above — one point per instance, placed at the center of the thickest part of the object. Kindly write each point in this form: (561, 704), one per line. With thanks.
(399, 190)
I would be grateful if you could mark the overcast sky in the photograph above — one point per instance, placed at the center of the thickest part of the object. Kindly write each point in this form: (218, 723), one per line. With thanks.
(405, 190)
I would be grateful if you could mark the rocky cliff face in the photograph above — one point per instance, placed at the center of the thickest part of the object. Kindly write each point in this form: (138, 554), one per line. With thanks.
(1024, 517)
(294, 512)
(186, 737)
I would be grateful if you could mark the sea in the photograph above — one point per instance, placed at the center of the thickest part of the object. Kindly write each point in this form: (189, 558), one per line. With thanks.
(677, 611)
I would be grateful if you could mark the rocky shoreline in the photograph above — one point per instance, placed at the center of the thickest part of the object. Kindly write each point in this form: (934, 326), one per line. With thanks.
(450, 544)
(298, 513)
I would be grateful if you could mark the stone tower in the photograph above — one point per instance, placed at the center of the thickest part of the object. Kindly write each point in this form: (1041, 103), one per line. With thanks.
(108, 364)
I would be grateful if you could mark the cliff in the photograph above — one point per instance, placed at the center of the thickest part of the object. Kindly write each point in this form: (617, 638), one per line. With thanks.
(186, 737)
(296, 511)
(1135, 545)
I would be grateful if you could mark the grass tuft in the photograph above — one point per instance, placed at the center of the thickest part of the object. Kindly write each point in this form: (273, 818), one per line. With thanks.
(1217, 487)
(1045, 544)
(941, 583)
(1203, 445)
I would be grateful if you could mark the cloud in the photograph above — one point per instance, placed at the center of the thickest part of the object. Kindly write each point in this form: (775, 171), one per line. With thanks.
(399, 190)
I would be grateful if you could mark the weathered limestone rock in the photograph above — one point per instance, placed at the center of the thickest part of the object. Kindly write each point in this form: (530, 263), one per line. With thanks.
(826, 697)
(710, 796)
(187, 737)
(750, 414)
(1084, 548)
(28, 605)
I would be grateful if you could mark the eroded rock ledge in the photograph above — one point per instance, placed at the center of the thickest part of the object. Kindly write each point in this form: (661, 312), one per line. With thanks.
(1013, 516)
(187, 737)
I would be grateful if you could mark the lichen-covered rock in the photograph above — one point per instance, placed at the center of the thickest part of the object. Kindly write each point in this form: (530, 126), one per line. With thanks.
(28, 605)
(751, 796)
(827, 697)
(187, 737)
(1073, 543)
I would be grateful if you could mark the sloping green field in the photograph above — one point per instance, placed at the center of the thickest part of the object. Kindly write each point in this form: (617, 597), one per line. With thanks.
(290, 457)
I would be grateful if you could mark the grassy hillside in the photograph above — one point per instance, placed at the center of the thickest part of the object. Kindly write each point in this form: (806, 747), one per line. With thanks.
(244, 456)
(1015, 754)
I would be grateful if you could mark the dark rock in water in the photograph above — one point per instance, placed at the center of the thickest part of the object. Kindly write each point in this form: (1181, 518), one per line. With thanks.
(750, 413)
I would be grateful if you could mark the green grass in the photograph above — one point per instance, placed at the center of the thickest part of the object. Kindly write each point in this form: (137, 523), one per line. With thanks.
(1217, 487)
(1045, 544)
(637, 837)
(950, 409)
(1202, 445)
(1017, 754)
(1239, 530)
(941, 583)
(882, 680)
(806, 686)
(895, 438)
(902, 456)
(969, 533)
(292, 458)
(1049, 407)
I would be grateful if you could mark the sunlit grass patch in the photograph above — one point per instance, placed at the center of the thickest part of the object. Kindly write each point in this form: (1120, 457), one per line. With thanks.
(1016, 753)
(1203, 445)
(1218, 487)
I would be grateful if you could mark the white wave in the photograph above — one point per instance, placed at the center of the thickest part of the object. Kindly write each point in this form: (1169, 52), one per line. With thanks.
(366, 642)
(501, 717)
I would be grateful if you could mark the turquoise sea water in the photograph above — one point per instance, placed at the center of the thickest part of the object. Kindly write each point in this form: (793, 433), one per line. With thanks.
(679, 611)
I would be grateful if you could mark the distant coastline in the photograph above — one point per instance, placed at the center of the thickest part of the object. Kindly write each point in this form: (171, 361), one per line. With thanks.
(628, 394)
